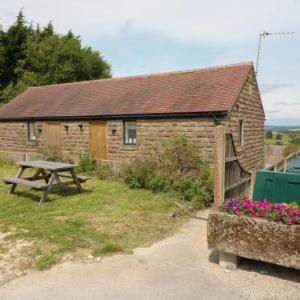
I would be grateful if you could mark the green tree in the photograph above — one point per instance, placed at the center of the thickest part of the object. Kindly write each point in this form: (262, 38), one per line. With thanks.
(34, 56)
(269, 134)
(278, 136)
(294, 138)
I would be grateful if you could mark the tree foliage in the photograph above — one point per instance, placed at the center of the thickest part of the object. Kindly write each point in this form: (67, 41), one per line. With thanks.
(269, 134)
(37, 56)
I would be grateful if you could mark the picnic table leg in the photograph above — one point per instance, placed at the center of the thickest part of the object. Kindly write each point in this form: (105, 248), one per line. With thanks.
(14, 185)
(48, 189)
(36, 174)
(76, 181)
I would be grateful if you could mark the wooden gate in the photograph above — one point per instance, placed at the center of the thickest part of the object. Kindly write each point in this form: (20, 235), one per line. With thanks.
(237, 180)
(53, 133)
(230, 179)
(98, 140)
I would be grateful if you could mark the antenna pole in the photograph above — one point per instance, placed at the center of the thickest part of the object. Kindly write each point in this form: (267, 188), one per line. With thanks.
(263, 35)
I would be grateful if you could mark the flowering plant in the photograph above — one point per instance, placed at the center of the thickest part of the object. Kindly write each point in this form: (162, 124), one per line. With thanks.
(270, 211)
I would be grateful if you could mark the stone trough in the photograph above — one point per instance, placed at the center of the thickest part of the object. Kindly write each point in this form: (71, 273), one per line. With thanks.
(253, 238)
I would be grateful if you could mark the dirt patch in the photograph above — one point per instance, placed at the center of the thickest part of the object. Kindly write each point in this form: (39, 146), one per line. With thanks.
(14, 258)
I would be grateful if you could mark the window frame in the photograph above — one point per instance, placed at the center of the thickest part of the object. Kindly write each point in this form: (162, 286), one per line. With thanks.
(29, 139)
(124, 132)
(241, 132)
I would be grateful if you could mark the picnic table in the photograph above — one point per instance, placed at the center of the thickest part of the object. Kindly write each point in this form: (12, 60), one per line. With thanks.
(50, 173)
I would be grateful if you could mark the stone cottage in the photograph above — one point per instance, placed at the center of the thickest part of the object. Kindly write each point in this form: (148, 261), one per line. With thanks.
(119, 118)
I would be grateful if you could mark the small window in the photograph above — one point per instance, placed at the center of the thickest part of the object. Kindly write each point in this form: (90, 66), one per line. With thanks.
(31, 132)
(130, 133)
(241, 133)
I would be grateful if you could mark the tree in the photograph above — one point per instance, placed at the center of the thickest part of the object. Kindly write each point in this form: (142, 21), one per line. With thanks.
(278, 136)
(269, 134)
(294, 139)
(38, 56)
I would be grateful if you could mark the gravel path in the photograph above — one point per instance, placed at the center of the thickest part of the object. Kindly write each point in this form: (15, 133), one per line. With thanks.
(180, 267)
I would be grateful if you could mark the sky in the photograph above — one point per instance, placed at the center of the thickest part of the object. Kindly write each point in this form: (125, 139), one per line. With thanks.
(150, 36)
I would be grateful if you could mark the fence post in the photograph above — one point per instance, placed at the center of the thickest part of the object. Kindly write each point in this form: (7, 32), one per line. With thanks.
(252, 182)
(219, 166)
(285, 165)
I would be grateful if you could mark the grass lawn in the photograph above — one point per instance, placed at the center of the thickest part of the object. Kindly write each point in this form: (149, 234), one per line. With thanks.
(107, 217)
(285, 140)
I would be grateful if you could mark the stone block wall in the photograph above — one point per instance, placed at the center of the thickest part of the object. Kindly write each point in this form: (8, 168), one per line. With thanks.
(248, 108)
(152, 133)
(14, 142)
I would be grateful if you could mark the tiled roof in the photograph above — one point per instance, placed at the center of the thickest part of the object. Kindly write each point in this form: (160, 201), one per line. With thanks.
(195, 91)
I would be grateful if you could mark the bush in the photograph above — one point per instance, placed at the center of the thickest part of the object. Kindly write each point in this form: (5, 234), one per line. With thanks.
(278, 136)
(176, 166)
(86, 164)
(269, 134)
(52, 153)
(157, 183)
(104, 172)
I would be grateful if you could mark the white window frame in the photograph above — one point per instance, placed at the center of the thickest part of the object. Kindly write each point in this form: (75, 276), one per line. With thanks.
(31, 132)
(126, 139)
(241, 132)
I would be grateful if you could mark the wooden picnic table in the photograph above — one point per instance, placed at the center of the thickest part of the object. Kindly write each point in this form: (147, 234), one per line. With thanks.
(48, 171)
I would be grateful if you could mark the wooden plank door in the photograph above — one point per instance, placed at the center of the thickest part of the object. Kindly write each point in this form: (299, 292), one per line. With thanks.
(53, 133)
(98, 140)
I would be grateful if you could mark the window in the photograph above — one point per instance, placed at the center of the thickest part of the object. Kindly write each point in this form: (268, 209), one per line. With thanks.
(241, 133)
(130, 132)
(31, 131)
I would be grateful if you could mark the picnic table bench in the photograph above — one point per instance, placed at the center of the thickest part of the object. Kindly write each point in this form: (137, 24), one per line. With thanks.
(48, 171)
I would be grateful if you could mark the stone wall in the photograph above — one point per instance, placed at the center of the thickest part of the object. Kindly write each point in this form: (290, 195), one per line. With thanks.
(15, 145)
(75, 141)
(248, 108)
(152, 133)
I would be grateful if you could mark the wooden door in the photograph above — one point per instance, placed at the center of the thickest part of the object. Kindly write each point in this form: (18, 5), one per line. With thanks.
(97, 140)
(53, 133)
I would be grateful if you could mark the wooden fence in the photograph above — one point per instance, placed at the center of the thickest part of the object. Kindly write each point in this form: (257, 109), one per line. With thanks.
(282, 164)
(230, 179)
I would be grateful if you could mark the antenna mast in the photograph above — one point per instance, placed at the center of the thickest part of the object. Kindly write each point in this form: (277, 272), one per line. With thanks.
(263, 35)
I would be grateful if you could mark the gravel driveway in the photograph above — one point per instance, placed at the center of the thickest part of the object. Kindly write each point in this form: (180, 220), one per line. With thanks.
(180, 267)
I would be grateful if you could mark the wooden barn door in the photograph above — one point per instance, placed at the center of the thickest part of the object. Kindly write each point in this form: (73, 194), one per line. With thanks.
(98, 140)
(53, 133)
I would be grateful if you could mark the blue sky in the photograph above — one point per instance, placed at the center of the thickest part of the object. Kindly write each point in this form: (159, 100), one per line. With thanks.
(146, 36)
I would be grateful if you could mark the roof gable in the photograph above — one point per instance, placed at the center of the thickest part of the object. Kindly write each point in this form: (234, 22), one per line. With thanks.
(195, 91)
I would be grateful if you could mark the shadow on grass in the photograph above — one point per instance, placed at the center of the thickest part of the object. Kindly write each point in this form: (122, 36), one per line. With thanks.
(66, 192)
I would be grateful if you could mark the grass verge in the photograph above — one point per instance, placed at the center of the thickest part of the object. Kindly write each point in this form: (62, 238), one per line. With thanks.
(107, 217)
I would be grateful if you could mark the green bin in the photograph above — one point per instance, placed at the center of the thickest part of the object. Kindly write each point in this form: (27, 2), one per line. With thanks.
(277, 187)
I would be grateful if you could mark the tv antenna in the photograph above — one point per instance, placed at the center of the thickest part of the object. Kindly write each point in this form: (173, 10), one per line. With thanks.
(264, 35)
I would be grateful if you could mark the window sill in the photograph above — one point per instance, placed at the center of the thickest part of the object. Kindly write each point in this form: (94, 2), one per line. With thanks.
(31, 143)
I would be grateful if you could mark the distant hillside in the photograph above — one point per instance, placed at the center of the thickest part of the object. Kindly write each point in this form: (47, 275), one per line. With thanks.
(282, 128)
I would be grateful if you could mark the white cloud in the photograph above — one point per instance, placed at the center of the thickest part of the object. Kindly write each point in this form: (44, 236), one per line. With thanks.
(214, 21)
(282, 103)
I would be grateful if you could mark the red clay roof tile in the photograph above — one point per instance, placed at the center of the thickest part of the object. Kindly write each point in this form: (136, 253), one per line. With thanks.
(195, 91)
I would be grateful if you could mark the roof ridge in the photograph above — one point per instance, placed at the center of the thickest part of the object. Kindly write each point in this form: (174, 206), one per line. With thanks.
(249, 63)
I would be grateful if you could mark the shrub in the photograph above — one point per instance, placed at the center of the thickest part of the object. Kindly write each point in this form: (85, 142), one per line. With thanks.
(278, 136)
(137, 173)
(269, 134)
(86, 164)
(176, 165)
(104, 172)
(52, 153)
(156, 183)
